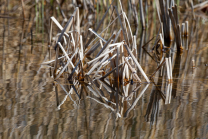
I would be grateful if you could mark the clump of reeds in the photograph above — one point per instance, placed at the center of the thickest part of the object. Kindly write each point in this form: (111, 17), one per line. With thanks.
(108, 61)
(100, 59)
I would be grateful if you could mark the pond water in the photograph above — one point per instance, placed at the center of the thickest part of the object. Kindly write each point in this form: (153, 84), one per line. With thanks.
(28, 107)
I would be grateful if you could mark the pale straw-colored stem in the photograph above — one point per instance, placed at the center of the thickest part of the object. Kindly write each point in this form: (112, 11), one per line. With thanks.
(57, 23)
(102, 55)
(97, 35)
(81, 50)
(167, 95)
(170, 67)
(92, 69)
(168, 70)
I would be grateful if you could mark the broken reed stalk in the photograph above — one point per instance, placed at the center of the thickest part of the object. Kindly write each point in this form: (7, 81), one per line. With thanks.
(97, 35)
(57, 23)
(169, 69)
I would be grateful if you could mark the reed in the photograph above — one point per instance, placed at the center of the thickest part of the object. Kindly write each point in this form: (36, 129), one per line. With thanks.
(186, 29)
(168, 69)
(183, 29)
(141, 11)
(162, 10)
(23, 9)
(176, 27)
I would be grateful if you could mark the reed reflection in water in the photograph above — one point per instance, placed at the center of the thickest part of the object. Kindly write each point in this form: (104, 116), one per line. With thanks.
(28, 103)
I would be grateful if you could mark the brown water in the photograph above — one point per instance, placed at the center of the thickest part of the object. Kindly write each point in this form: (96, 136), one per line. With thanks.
(28, 102)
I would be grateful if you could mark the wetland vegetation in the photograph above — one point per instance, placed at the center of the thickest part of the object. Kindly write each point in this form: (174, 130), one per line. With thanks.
(104, 69)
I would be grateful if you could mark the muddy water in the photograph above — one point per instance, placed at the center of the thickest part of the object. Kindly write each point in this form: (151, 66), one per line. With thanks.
(28, 103)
